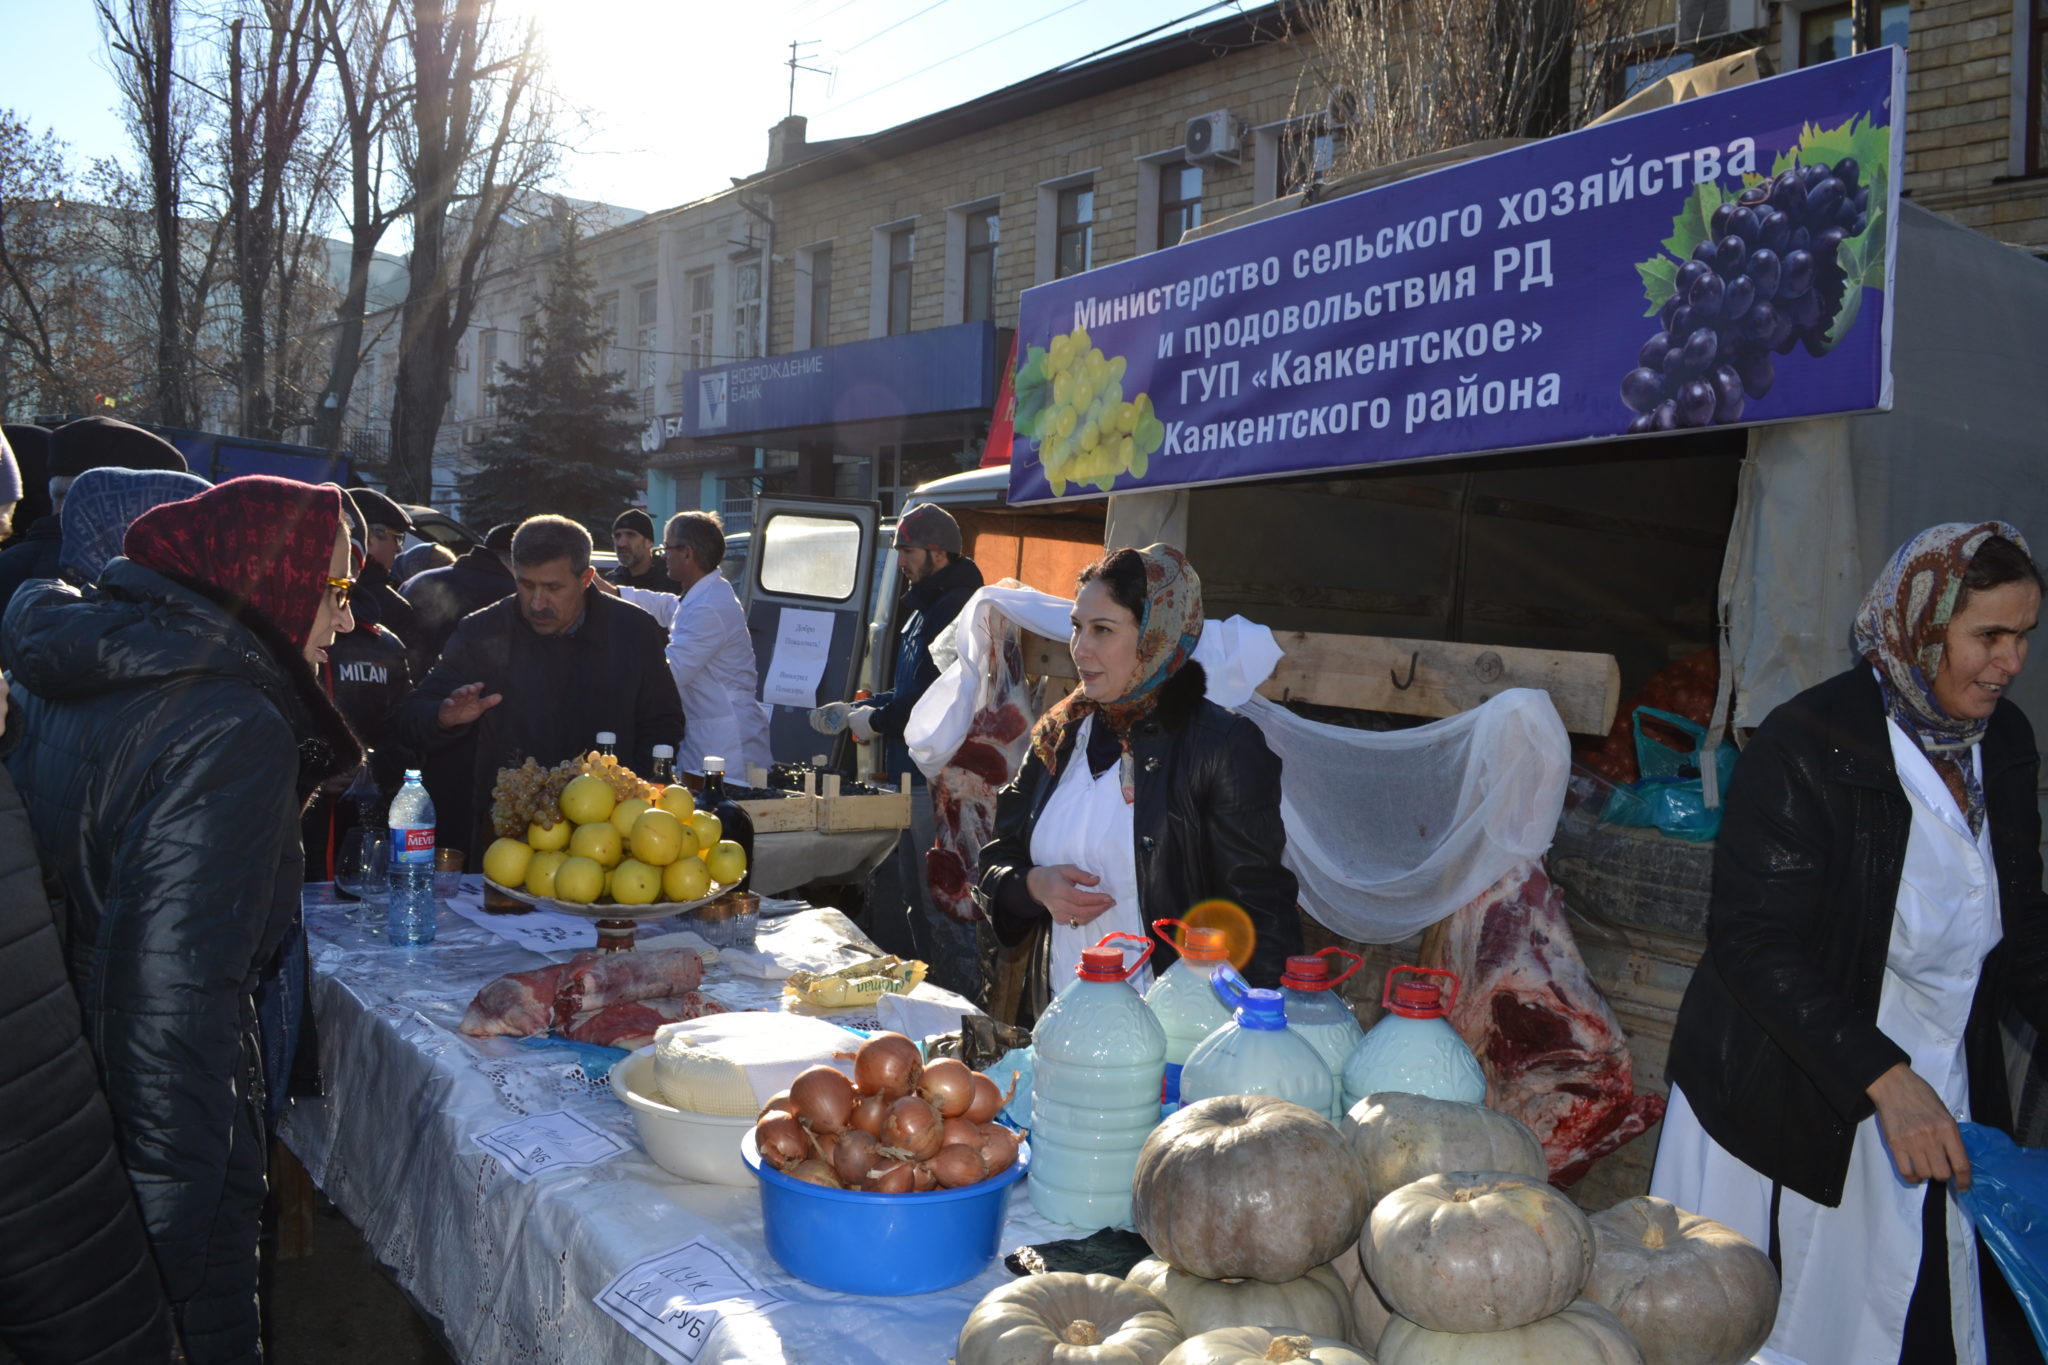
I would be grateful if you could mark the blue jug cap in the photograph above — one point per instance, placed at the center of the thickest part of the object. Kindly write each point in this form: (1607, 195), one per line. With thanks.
(1263, 1010)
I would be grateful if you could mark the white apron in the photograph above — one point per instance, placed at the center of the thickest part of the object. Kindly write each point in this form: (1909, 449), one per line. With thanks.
(1086, 822)
(1849, 1271)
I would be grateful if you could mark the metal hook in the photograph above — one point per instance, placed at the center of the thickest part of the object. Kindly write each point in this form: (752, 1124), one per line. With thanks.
(1399, 686)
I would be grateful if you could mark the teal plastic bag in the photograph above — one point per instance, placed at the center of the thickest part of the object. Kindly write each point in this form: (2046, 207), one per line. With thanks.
(2008, 1201)
(1669, 796)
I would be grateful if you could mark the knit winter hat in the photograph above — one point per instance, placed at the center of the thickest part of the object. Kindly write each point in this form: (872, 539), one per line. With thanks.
(265, 540)
(633, 519)
(107, 442)
(104, 502)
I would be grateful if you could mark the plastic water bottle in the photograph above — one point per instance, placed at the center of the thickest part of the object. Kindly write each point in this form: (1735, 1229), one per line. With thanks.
(1186, 1005)
(1099, 1056)
(410, 919)
(1414, 1048)
(1317, 1012)
(1256, 1053)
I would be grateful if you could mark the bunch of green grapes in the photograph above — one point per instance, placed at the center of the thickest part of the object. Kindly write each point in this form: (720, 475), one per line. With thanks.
(624, 782)
(1070, 398)
(528, 795)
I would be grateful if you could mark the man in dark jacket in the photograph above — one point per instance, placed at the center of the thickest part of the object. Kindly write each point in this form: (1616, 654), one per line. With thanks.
(76, 1281)
(375, 599)
(639, 565)
(538, 676)
(88, 443)
(442, 597)
(941, 578)
(368, 678)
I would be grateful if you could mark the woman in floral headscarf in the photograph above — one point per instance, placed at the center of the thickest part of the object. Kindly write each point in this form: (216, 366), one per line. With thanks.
(1877, 908)
(1140, 797)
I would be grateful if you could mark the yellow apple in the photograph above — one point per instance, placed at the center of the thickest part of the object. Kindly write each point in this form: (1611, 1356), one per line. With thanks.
(546, 837)
(635, 883)
(598, 842)
(588, 799)
(657, 838)
(506, 860)
(727, 863)
(540, 871)
(579, 880)
(686, 879)
(625, 813)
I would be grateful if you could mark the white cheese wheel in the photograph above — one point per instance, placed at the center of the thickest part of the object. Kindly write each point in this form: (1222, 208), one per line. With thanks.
(735, 1063)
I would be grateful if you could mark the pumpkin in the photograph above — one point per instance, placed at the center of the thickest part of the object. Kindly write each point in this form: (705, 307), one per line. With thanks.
(1317, 1303)
(1369, 1312)
(1247, 1187)
(1401, 1137)
(1583, 1334)
(1477, 1251)
(1069, 1318)
(1694, 1291)
(1247, 1345)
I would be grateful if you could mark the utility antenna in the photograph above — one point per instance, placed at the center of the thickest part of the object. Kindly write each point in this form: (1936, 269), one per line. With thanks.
(795, 64)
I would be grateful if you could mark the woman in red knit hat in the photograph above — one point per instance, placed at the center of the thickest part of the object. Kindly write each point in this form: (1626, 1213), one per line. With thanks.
(174, 728)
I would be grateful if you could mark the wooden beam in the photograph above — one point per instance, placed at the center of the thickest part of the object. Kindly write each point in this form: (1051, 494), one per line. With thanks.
(1432, 678)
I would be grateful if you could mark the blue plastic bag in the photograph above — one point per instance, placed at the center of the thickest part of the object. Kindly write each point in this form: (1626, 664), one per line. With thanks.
(2008, 1201)
(1669, 796)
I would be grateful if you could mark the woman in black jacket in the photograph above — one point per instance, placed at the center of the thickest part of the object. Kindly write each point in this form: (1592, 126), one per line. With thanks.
(174, 728)
(1877, 908)
(1140, 798)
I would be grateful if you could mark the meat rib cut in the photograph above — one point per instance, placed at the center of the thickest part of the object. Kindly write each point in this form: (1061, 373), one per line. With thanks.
(1553, 1052)
(520, 1005)
(631, 1024)
(593, 982)
(964, 791)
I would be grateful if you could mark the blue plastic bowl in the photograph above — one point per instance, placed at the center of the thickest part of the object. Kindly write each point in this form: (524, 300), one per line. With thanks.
(860, 1242)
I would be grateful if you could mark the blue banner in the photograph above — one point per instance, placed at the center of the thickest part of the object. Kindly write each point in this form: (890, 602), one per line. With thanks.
(946, 369)
(1722, 261)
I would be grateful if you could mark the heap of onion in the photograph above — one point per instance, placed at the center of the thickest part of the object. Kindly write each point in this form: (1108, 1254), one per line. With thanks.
(896, 1127)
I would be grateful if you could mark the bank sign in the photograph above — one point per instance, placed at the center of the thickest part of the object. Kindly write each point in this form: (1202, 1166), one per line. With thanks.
(1723, 261)
(944, 369)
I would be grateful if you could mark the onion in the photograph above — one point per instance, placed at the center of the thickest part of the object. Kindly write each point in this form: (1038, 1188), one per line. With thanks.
(853, 1157)
(887, 1064)
(814, 1172)
(777, 1104)
(998, 1147)
(893, 1177)
(949, 1085)
(868, 1113)
(823, 1098)
(958, 1164)
(989, 1098)
(914, 1127)
(922, 1179)
(960, 1130)
(823, 1145)
(782, 1140)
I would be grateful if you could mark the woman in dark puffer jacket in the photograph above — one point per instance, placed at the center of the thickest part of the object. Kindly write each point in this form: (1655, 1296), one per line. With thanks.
(174, 727)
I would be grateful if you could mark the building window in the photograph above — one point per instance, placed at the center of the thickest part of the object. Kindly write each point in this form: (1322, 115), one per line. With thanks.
(608, 323)
(529, 336)
(698, 342)
(1825, 34)
(1180, 200)
(902, 251)
(1645, 69)
(487, 372)
(648, 305)
(821, 297)
(984, 232)
(746, 308)
(1074, 246)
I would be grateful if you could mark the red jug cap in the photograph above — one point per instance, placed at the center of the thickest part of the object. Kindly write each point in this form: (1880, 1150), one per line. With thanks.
(1204, 945)
(1418, 997)
(1306, 974)
(1101, 964)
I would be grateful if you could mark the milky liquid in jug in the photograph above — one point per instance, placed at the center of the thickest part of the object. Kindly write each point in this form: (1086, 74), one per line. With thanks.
(1185, 1002)
(1413, 1047)
(1256, 1053)
(1318, 1013)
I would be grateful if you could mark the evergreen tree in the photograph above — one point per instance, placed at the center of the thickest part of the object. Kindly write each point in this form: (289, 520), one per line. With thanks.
(567, 439)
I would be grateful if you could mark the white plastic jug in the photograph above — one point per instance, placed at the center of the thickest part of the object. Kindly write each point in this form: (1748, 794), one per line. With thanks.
(1317, 1012)
(1100, 1057)
(1256, 1053)
(1185, 1002)
(1414, 1048)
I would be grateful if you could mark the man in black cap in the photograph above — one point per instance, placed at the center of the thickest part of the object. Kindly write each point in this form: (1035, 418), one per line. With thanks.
(633, 538)
(376, 599)
(88, 443)
(442, 597)
(941, 578)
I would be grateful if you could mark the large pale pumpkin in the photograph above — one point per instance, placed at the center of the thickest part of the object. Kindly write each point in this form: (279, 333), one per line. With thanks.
(1693, 1291)
(1401, 1137)
(1369, 1312)
(1247, 1187)
(1583, 1334)
(1072, 1319)
(1317, 1303)
(1477, 1251)
(1257, 1345)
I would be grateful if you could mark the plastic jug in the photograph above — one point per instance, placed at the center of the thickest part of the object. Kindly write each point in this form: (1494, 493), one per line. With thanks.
(1317, 1012)
(1256, 1053)
(1099, 1056)
(1187, 1006)
(1414, 1048)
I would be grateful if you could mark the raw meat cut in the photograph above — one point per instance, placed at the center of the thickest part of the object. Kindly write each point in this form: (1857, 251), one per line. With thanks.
(1552, 1050)
(964, 791)
(519, 1005)
(592, 982)
(631, 1024)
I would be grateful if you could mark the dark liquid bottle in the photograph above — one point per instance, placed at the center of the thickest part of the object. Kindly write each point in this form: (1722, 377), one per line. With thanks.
(733, 823)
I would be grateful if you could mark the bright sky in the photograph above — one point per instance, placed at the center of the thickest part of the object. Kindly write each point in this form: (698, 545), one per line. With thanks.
(680, 93)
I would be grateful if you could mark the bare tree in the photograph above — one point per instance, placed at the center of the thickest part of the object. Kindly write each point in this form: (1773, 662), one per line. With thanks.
(478, 139)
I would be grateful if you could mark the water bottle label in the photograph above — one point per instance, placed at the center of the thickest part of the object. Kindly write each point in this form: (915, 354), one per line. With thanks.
(1169, 1089)
(413, 846)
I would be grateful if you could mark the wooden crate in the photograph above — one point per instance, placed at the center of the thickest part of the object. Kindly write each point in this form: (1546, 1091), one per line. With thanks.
(780, 814)
(839, 814)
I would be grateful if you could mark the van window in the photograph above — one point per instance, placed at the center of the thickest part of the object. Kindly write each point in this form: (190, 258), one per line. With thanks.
(809, 556)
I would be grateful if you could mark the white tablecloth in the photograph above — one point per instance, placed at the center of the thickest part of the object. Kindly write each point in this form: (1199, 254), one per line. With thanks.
(509, 1269)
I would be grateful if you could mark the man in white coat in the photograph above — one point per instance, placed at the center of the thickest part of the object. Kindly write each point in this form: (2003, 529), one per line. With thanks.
(709, 650)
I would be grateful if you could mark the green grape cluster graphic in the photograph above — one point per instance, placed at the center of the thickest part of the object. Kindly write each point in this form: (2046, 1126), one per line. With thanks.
(1070, 402)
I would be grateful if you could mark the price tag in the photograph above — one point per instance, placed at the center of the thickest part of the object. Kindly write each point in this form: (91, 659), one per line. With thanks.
(544, 931)
(674, 1301)
(543, 1142)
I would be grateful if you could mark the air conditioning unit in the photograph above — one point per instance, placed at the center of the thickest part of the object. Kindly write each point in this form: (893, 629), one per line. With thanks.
(1698, 19)
(1214, 139)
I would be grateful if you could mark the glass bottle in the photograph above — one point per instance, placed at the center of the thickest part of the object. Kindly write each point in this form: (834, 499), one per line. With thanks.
(733, 821)
(664, 772)
(607, 744)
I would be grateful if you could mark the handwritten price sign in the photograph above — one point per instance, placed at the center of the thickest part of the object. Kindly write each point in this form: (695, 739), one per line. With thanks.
(674, 1301)
(542, 1142)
